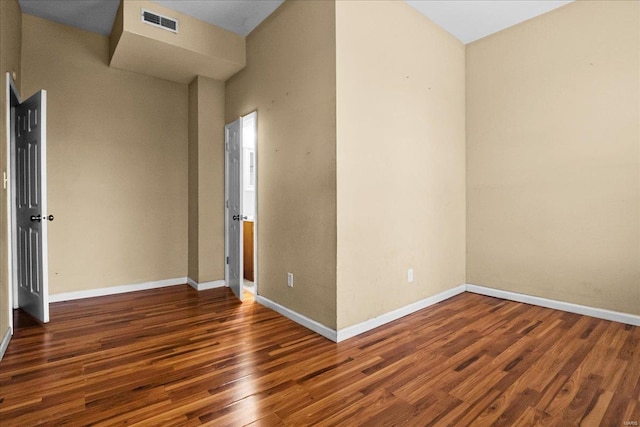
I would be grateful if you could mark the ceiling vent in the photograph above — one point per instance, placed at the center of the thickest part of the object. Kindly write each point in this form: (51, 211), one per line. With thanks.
(156, 20)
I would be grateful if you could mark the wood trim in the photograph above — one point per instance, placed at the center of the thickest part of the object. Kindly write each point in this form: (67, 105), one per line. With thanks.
(247, 249)
(203, 286)
(113, 290)
(600, 313)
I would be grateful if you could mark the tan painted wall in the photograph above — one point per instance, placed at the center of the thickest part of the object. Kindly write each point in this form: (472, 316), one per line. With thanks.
(116, 30)
(117, 165)
(290, 80)
(401, 160)
(211, 123)
(553, 146)
(193, 259)
(206, 180)
(198, 48)
(10, 46)
(193, 34)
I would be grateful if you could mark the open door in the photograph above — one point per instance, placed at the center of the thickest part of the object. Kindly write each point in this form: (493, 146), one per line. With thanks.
(233, 207)
(29, 189)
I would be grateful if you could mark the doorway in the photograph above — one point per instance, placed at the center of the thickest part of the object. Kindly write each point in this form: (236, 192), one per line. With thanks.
(249, 139)
(241, 213)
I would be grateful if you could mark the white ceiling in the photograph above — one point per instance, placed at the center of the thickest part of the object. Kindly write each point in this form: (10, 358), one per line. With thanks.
(90, 15)
(467, 20)
(239, 16)
(470, 20)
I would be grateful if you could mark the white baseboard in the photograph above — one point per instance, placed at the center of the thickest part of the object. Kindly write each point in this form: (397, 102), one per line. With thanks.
(113, 290)
(352, 331)
(303, 320)
(5, 342)
(600, 313)
(370, 324)
(203, 286)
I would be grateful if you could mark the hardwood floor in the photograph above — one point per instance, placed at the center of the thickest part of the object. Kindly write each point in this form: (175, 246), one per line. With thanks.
(178, 357)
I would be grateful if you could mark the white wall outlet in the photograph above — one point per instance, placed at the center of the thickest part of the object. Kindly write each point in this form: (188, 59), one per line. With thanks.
(410, 275)
(290, 280)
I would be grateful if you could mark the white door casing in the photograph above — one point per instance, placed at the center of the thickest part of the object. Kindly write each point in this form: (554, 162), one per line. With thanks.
(250, 138)
(233, 207)
(30, 197)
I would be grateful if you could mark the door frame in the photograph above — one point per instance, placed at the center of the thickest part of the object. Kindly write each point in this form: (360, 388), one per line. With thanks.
(255, 217)
(13, 99)
(226, 210)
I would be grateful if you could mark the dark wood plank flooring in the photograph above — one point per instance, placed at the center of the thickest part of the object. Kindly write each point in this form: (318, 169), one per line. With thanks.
(177, 357)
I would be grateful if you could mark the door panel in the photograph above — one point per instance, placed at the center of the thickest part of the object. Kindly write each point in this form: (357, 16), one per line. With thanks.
(30, 199)
(233, 144)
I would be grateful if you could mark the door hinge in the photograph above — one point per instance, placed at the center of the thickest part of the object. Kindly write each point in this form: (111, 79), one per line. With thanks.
(227, 260)
(227, 204)
(4, 180)
(226, 146)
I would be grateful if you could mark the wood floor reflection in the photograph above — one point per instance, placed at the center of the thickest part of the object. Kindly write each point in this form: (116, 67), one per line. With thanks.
(175, 356)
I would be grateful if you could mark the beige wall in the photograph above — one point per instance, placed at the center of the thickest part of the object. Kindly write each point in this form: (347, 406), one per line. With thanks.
(290, 80)
(361, 158)
(10, 45)
(206, 180)
(553, 144)
(198, 48)
(400, 158)
(117, 165)
(116, 30)
(193, 226)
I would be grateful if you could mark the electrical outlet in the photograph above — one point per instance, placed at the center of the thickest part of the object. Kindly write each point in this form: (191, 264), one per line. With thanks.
(290, 280)
(410, 275)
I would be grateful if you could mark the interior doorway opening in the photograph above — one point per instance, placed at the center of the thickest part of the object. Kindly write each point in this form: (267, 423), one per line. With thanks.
(249, 140)
(241, 207)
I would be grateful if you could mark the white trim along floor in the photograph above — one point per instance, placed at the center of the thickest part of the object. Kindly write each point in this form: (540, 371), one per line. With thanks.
(351, 331)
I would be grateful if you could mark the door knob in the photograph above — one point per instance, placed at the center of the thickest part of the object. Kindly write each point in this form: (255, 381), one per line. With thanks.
(238, 217)
(38, 218)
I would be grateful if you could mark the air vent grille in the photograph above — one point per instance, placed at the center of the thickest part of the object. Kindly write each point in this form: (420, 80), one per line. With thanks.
(160, 21)
(169, 24)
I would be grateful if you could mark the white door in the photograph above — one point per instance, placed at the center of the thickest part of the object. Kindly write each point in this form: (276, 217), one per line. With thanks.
(233, 211)
(30, 130)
